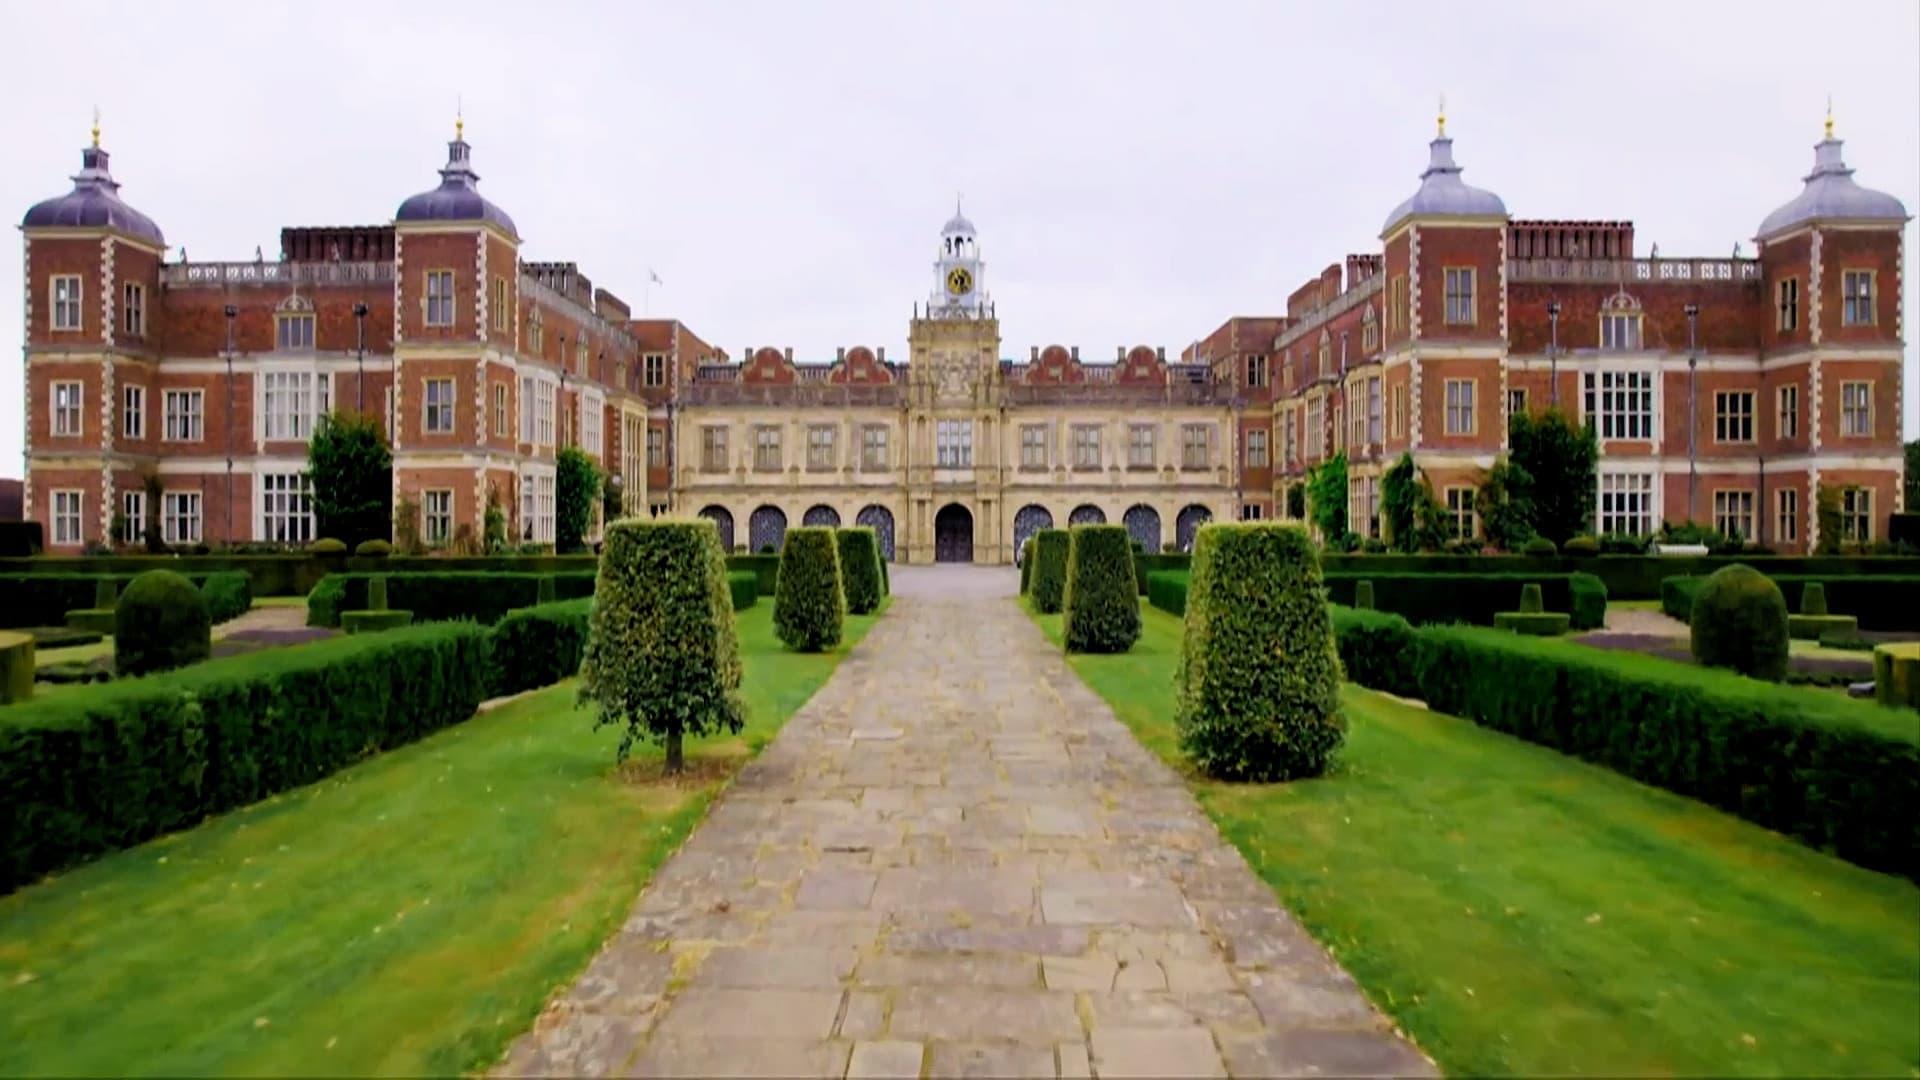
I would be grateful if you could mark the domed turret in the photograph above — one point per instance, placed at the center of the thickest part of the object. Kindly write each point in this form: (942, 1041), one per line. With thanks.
(94, 203)
(1441, 190)
(458, 197)
(1832, 195)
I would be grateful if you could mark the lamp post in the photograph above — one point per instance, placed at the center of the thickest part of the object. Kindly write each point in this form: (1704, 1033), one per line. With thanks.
(360, 348)
(232, 313)
(1553, 353)
(1693, 406)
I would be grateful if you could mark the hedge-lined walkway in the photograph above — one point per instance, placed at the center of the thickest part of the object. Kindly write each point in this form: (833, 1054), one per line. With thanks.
(954, 859)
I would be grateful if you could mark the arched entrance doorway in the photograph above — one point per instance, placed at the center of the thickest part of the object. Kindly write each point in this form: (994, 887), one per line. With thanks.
(1087, 514)
(880, 520)
(723, 524)
(821, 516)
(1028, 520)
(1143, 526)
(953, 534)
(1188, 523)
(766, 530)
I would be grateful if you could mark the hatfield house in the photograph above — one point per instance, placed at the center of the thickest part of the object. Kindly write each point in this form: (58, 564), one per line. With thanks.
(1726, 390)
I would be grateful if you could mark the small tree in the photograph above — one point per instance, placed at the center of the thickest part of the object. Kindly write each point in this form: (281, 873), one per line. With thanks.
(156, 540)
(1327, 498)
(495, 537)
(809, 602)
(663, 655)
(1259, 680)
(1826, 516)
(1560, 457)
(350, 469)
(859, 568)
(1739, 621)
(1505, 505)
(1102, 600)
(576, 485)
(1048, 585)
(613, 502)
(406, 528)
(1414, 518)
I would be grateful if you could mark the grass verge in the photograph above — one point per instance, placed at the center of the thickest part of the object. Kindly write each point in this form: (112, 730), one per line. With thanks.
(1521, 912)
(407, 916)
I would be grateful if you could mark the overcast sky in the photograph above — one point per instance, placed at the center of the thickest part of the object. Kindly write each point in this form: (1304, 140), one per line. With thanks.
(1138, 172)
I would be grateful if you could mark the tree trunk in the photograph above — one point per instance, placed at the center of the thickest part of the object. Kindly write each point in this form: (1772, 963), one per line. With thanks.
(676, 757)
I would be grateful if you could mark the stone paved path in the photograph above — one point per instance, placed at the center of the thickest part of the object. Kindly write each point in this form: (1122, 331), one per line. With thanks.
(954, 861)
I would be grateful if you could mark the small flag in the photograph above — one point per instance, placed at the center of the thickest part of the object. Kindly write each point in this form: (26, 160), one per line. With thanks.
(653, 277)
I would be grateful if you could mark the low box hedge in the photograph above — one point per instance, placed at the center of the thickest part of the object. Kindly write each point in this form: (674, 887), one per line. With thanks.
(764, 568)
(1815, 627)
(1475, 598)
(1877, 601)
(229, 595)
(1532, 623)
(744, 587)
(1165, 562)
(1838, 774)
(16, 666)
(482, 597)
(1896, 674)
(44, 599)
(375, 620)
(96, 769)
(1376, 649)
(539, 646)
(290, 573)
(1167, 590)
(93, 620)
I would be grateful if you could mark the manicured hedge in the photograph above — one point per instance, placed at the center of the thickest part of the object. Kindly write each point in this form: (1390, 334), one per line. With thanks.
(229, 595)
(1259, 678)
(1102, 600)
(1896, 674)
(45, 599)
(809, 603)
(482, 597)
(540, 646)
(1376, 649)
(1836, 773)
(1878, 601)
(1049, 583)
(765, 569)
(1167, 590)
(160, 623)
(859, 568)
(288, 574)
(96, 769)
(744, 587)
(375, 620)
(16, 666)
(1162, 563)
(1676, 596)
(1474, 598)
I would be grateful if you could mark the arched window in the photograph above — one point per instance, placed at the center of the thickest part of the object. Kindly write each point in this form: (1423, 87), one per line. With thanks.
(1620, 323)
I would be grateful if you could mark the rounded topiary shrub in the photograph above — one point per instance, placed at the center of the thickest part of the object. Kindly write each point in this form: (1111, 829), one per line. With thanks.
(662, 658)
(1739, 621)
(809, 603)
(160, 623)
(373, 549)
(1538, 546)
(859, 568)
(1048, 584)
(1582, 545)
(1259, 678)
(1813, 598)
(1530, 599)
(1102, 598)
(327, 545)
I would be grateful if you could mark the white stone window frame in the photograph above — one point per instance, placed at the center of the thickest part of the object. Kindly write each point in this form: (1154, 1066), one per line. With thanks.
(290, 399)
(432, 410)
(1085, 440)
(69, 516)
(714, 449)
(537, 504)
(183, 414)
(1461, 413)
(284, 504)
(593, 422)
(822, 441)
(768, 448)
(1856, 409)
(133, 411)
(66, 418)
(1142, 446)
(1735, 512)
(436, 515)
(1257, 456)
(1196, 453)
(437, 298)
(1460, 295)
(953, 443)
(1786, 415)
(653, 369)
(133, 511)
(182, 517)
(1626, 484)
(1733, 421)
(1856, 515)
(1621, 403)
(1858, 291)
(133, 309)
(65, 313)
(875, 454)
(1786, 502)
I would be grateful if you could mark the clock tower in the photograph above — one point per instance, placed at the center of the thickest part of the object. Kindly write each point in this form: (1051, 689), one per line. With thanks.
(959, 286)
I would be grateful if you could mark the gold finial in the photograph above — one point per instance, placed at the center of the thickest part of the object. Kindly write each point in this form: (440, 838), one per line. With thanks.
(96, 127)
(1829, 116)
(1443, 116)
(459, 119)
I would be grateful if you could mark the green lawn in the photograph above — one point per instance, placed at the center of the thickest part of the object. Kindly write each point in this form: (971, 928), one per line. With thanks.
(407, 916)
(1521, 912)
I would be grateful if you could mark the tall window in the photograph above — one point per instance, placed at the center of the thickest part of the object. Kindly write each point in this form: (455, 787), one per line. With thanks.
(133, 517)
(1626, 503)
(1326, 354)
(133, 412)
(1619, 332)
(1733, 513)
(290, 402)
(1256, 370)
(537, 397)
(183, 415)
(580, 356)
(1788, 318)
(1257, 448)
(1462, 522)
(439, 298)
(1786, 529)
(1289, 433)
(1460, 309)
(820, 447)
(593, 413)
(286, 508)
(66, 517)
(656, 448)
(1196, 446)
(1140, 446)
(537, 333)
(1373, 410)
(1733, 416)
(436, 516)
(1856, 408)
(1517, 401)
(180, 517)
(1251, 512)
(437, 417)
(1856, 298)
(1400, 412)
(653, 369)
(1619, 404)
(1356, 413)
(133, 309)
(1856, 515)
(1460, 419)
(1033, 446)
(536, 507)
(766, 448)
(500, 410)
(66, 301)
(1316, 434)
(1086, 446)
(873, 448)
(1397, 304)
(953, 444)
(1787, 426)
(66, 408)
(294, 332)
(713, 448)
(1369, 331)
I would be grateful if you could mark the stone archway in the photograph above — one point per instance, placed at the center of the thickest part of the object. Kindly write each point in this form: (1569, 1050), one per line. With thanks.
(1028, 520)
(722, 520)
(1087, 514)
(880, 520)
(821, 515)
(953, 534)
(1143, 527)
(766, 528)
(1188, 524)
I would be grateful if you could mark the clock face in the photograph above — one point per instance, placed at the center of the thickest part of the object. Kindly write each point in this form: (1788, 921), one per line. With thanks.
(959, 281)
